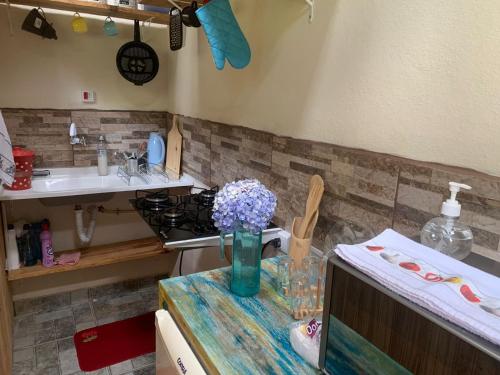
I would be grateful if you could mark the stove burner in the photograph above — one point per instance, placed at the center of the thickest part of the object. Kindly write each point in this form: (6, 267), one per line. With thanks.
(157, 199)
(206, 197)
(174, 217)
(207, 194)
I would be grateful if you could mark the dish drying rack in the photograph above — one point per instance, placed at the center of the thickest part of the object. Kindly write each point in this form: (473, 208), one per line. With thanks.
(144, 172)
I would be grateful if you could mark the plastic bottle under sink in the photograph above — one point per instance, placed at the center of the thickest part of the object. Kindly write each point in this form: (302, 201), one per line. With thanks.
(46, 239)
(102, 157)
(445, 233)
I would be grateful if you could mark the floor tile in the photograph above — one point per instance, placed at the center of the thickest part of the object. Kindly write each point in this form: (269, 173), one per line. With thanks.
(143, 360)
(68, 361)
(23, 342)
(116, 289)
(79, 296)
(25, 306)
(64, 327)
(47, 371)
(82, 313)
(83, 326)
(103, 371)
(21, 355)
(65, 344)
(24, 367)
(45, 332)
(24, 325)
(47, 355)
(121, 368)
(53, 315)
(145, 371)
(54, 302)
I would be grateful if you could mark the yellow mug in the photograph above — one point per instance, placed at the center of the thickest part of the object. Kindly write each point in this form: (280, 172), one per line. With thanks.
(79, 24)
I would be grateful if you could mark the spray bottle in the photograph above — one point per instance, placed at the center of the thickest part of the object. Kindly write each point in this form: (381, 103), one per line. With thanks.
(46, 240)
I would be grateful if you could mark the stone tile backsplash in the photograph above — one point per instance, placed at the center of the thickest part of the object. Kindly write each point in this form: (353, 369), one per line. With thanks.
(366, 192)
(47, 133)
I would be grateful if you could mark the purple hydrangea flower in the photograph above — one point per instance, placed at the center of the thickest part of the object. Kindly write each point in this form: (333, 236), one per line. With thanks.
(243, 205)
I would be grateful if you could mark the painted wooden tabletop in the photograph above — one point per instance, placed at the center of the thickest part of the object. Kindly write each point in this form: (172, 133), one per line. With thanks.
(231, 334)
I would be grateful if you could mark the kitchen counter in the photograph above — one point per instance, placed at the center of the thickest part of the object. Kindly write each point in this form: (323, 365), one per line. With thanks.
(231, 334)
(65, 182)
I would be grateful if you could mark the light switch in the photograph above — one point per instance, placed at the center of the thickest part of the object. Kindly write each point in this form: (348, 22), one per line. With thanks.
(88, 96)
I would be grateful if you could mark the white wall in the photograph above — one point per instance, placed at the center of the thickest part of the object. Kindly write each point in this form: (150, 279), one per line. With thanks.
(419, 79)
(41, 73)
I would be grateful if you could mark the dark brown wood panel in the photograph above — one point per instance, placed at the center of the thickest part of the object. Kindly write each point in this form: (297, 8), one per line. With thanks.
(6, 310)
(418, 344)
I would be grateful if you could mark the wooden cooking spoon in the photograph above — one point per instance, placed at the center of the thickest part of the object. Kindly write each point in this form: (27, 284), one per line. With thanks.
(316, 189)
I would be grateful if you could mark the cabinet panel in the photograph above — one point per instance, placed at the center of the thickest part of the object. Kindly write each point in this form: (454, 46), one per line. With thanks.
(6, 311)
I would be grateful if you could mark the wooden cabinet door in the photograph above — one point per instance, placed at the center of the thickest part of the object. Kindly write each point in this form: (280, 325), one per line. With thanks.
(6, 311)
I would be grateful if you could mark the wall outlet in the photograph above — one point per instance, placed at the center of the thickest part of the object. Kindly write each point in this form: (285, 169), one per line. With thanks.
(285, 240)
(88, 96)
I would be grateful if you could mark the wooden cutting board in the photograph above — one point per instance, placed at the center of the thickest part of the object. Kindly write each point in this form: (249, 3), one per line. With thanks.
(174, 151)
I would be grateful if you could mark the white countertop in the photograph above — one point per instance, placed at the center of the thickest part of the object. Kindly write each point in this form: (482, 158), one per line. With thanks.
(64, 182)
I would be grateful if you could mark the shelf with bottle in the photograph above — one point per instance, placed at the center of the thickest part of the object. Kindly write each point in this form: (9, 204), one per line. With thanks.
(96, 256)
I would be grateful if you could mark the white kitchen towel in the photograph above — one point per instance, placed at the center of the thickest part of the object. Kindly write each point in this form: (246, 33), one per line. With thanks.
(7, 165)
(451, 289)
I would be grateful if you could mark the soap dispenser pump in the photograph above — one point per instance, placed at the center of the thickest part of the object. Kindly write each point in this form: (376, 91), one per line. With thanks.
(445, 233)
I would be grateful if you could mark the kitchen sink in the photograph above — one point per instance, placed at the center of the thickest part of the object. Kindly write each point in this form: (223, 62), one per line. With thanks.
(84, 181)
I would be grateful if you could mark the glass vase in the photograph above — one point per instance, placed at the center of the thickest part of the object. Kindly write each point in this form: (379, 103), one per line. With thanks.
(245, 275)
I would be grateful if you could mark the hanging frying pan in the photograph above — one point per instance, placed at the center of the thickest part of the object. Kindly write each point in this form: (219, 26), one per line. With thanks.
(136, 61)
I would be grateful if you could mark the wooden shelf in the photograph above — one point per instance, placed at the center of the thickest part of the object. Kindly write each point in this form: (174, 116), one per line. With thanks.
(166, 4)
(99, 9)
(97, 256)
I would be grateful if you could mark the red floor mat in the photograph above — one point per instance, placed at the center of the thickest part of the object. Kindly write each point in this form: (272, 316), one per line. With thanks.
(116, 342)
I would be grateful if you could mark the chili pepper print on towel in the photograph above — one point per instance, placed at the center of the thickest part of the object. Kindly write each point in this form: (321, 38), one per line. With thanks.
(423, 271)
(224, 34)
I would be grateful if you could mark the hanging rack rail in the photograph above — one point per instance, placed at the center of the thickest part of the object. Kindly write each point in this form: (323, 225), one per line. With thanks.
(99, 9)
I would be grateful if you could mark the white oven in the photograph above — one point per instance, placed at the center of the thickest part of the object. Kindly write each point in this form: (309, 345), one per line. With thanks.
(173, 353)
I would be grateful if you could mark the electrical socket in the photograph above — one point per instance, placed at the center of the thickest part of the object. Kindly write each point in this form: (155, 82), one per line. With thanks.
(285, 240)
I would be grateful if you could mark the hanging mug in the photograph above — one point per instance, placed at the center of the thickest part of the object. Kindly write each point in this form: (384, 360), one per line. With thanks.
(110, 27)
(79, 24)
(189, 17)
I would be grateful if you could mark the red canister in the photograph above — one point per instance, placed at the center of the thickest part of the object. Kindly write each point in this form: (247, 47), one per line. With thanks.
(24, 168)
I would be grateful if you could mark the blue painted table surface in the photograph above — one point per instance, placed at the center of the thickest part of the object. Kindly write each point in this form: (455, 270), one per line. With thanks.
(232, 334)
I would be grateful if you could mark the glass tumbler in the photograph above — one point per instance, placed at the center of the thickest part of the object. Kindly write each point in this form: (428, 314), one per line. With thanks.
(315, 271)
(300, 298)
(285, 267)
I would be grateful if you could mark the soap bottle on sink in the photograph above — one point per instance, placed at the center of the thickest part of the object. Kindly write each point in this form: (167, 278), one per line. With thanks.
(102, 157)
(445, 233)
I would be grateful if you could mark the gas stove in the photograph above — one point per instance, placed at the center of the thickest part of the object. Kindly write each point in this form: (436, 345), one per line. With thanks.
(178, 217)
(182, 220)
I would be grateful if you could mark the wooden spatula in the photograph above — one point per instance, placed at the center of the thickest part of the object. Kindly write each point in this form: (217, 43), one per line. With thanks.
(316, 189)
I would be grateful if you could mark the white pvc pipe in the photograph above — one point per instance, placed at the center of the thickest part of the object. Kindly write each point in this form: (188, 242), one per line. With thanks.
(85, 235)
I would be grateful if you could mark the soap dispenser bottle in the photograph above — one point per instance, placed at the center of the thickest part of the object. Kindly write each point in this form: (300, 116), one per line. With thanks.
(102, 157)
(445, 233)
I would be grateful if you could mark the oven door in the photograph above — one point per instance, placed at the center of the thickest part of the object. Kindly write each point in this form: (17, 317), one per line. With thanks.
(173, 353)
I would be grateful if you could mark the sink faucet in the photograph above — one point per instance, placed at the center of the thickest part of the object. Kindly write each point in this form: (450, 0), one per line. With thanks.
(73, 136)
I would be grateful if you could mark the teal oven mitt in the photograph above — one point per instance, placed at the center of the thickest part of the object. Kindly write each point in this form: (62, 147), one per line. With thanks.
(224, 34)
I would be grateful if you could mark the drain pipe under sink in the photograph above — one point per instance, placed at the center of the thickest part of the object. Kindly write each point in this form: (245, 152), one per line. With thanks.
(85, 235)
